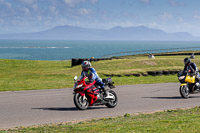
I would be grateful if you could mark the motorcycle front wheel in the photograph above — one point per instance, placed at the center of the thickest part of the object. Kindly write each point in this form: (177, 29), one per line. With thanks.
(112, 103)
(80, 102)
(184, 91)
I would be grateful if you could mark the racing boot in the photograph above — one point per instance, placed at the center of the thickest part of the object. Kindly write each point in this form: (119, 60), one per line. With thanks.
(108, 95)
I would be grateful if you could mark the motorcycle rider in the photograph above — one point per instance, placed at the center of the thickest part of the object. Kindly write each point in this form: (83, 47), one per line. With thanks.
(92, 75)
(191, 68)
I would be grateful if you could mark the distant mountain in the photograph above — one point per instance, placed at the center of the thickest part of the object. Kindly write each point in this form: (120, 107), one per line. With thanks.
(117, 33)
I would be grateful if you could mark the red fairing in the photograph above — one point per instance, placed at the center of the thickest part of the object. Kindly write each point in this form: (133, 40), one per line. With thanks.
(80, 92)
(93, 98)
(90, 89)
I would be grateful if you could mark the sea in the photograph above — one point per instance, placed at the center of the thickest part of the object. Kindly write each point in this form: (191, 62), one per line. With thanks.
(68, 49)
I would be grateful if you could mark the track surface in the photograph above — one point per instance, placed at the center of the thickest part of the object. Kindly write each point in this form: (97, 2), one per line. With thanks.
(24, 108)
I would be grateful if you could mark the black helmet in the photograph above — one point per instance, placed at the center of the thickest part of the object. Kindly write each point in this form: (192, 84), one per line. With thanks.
(186, 61)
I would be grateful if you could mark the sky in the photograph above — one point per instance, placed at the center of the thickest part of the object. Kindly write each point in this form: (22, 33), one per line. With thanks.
(22, 16)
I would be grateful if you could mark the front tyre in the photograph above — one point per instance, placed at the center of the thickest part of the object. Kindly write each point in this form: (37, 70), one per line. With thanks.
(184, 91)
(80, 101)
(112, 102)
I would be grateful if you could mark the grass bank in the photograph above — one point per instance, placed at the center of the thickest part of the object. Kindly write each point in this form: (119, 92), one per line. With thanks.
(34, 75)
(169, 121)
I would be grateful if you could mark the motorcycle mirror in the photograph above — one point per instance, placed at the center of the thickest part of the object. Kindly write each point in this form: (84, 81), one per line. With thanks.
(75, 78)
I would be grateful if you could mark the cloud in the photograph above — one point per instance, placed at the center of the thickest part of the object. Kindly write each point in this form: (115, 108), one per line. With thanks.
(166, 16)
(43, 14)
(94, 1)
(175, 3)
(72, 3)
(39, 18)
(35, 7)
(28, 1)
(6, 4)
(69, 2)
(1, 20)
(196, 15)
(180, 19)
(26, 11)
(84, 11)
(54, 10)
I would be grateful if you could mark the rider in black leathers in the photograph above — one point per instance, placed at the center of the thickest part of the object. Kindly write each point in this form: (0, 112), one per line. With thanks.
(191, 68)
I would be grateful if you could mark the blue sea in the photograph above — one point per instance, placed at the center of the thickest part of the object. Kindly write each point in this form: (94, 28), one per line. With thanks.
(65, 50)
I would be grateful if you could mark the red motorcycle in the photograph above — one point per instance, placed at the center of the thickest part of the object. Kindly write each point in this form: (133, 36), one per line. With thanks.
(86, 94)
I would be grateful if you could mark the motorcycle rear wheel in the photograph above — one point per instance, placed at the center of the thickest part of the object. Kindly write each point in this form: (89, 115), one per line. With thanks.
(112, 103)
(184, 91)
(79, 102)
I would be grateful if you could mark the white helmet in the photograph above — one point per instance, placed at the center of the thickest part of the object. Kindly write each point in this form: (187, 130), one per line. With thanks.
(86, 65)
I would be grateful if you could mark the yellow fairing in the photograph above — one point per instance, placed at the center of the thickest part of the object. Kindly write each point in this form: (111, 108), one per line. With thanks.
(183, 84)
(190, 79)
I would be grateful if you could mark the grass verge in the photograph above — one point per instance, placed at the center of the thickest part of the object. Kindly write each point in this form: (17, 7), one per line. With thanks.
(173, 121)
(35, 75)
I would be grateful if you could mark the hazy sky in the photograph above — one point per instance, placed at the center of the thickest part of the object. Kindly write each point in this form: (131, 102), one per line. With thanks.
(37, 15)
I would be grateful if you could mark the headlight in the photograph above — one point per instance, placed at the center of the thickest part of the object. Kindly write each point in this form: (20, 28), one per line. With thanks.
(76, 86)
(181, 77)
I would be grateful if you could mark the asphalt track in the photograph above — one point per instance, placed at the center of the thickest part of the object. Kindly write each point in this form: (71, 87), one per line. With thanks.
(25, 108)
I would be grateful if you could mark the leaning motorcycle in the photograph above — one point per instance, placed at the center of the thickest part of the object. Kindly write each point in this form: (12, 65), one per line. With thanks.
(188, 84)
(86, 93)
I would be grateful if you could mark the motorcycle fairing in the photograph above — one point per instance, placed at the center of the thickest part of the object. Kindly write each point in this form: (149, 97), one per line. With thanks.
(80, 92)
(190, 79)
(183, 84)
(92, 91)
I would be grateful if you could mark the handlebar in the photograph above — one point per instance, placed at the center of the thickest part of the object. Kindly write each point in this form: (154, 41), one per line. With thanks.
(181, 73)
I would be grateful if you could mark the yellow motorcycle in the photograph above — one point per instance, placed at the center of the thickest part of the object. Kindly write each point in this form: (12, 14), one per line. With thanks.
(188, 84)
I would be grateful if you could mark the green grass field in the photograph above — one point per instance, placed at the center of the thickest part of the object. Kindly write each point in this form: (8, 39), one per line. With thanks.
(35, 75)
(169, 121)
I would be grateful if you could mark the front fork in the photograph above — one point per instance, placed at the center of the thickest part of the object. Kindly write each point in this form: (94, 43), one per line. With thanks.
(82, 94)
(84, 98)
(185, 84)
(191, 88)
